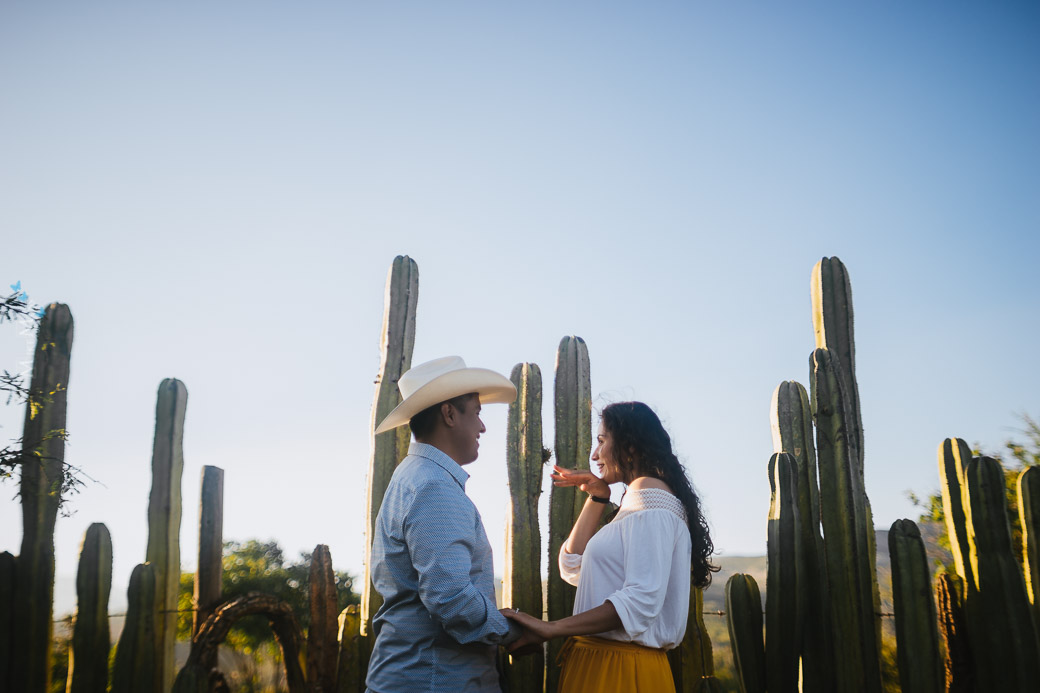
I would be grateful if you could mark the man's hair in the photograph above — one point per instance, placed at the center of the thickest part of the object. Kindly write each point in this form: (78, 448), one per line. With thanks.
(423, 423)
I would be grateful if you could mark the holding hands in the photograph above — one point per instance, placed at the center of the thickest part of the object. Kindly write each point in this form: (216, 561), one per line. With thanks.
(535, 632)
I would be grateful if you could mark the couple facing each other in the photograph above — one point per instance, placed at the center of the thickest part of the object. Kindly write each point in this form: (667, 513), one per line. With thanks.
(439, 627)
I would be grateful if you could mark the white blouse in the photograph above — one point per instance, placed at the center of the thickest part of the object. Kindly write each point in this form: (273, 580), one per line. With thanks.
(640, 563)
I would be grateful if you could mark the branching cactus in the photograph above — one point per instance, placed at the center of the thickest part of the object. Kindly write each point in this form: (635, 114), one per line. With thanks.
(1003, 635)
(322, 648)
(1029, 517)
(135, 666)
(164, 522)
(573, 409)
(88, 660)
(744, 606)
(848, 529)
(785, 615)
(397, 340)
(43, 443)
(791, 423)
(959, 673)
(917, 636)
(522, 587)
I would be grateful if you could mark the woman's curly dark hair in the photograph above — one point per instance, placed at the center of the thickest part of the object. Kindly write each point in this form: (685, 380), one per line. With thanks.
(641, 445)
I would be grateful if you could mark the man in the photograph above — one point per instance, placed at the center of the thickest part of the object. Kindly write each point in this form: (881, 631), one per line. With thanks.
(439, 627)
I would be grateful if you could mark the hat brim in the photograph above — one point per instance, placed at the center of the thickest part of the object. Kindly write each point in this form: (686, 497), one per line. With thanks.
(492, 387)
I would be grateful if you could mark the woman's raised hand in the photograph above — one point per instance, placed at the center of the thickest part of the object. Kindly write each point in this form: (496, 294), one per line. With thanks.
(582, 478)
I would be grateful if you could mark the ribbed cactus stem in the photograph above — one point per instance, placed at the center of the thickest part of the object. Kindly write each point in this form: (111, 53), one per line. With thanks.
(88, 659)
(848, 531)
(954, 456)
(522, 587)
(958, 668)
(1004, 637)
(692, 660)
(573, 418)
(322, 647)
(1029, 517)
(43, 445)
(135, 666)
(917, 635)
(164, 522)
(792, 428)
(7, 574)
(211, 546)
(350, 676)
(397, 340)
(744, 607)
(785, 614)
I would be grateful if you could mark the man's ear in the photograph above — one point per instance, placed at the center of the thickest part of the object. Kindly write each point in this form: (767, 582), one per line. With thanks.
(449, 414)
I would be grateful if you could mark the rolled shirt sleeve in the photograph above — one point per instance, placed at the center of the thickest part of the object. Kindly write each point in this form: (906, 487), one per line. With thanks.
(570, 567)
(648, 541)
(440, 535)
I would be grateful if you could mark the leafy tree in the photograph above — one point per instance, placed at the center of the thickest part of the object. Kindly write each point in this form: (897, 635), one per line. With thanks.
(1015, 458)
(256, 566)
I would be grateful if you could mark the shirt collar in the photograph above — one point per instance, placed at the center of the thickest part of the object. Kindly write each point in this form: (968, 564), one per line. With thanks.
(435, 455)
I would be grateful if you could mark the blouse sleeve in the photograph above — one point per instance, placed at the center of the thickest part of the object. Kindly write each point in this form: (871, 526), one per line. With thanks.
(570, 566)
(648, 539)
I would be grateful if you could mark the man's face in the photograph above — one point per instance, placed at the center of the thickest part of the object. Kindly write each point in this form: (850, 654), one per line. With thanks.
(468, 430)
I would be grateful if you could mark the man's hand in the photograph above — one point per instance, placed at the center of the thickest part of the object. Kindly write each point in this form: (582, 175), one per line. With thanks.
(536, 631)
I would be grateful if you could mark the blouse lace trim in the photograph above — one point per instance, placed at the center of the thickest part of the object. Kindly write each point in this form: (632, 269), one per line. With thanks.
(637, 500)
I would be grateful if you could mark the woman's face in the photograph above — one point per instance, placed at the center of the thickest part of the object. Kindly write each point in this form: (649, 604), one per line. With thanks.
(603, 456)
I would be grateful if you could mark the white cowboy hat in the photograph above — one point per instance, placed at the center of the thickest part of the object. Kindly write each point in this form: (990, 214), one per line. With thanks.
(441, 379)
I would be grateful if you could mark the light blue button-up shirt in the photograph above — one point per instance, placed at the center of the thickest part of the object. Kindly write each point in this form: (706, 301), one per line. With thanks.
(439, 627)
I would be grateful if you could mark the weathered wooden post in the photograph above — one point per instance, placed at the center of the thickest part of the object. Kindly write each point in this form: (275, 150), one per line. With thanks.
(88, 658)
(573, 409)
(211, 546)
(43, 461)
(522, 588)
(164, 523)
(396, 343)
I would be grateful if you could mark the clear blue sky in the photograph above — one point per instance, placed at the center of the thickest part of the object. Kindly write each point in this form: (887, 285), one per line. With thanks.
(218, 191)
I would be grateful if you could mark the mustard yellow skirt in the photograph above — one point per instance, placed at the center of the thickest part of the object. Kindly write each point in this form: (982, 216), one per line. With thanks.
(595, 665)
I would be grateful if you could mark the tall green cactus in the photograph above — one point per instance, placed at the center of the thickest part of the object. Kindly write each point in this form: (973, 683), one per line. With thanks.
(949, 603)
(350, 674)
(744, 607)
(1029, 517)
(397, 339)
(7, 573)
(135, 666)
(322, 648)
(917, 635)
(208, 577)
(848, 530)
(785, 612)
(43, 445)
(791, 423)
(573, 413)
(954, 456)
(522, 586)
(1003, 635)
(164, 523)
(88, 659)
(692, 660)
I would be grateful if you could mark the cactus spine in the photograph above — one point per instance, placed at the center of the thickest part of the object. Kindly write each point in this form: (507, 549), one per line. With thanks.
(1029, 516)
(1004, 638)
(791, 423)
(43, 458)
(917, 636)
(522, 587)
(744, 606)
(164, 522)
(573, 410)
(322, 648)
(397, 340)
(848, 529)
(88, 659)
(211, 546)
(135, 665)
(785, 616)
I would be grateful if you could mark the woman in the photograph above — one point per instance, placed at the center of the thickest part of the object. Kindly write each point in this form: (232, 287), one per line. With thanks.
(633, 575)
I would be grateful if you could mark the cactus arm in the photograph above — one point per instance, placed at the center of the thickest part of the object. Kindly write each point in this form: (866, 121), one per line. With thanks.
(211, 546)
(522, 586)
(954, 456)
(322, 648)
(917, 635)
(397, 340)
(135, 665)
(40, 490)
(785, 615)
(744, 606)
(88, 661)
(1028, 487)
(350, 676)
(957, 662)
(692, 660)
(573, 419)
